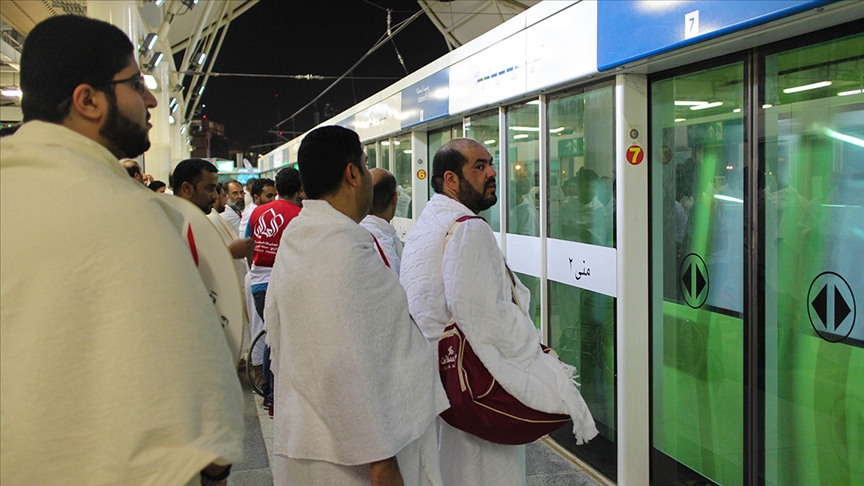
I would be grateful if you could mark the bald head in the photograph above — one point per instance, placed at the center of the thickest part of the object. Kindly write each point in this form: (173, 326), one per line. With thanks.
(134, 170)
(451, 157)
(383, 194)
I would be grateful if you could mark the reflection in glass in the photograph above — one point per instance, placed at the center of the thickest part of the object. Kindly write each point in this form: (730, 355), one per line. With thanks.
(814, 223)
(533, 285)
(697, 236)
(523, 149)
(385, 155)
(582, 167)
(371, 156)
(484, 129)
(402, 170)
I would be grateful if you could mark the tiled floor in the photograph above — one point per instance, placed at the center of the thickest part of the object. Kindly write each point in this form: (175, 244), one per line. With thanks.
(545, 467)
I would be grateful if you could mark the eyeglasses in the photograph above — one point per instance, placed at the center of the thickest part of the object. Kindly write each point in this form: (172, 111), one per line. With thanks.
(135, 82)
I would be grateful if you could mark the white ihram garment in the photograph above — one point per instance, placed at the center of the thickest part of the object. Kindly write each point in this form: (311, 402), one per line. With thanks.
(244, 219)
(473, 286)
(231, 217)
(115, 369)
(357, 379)
(386, 235)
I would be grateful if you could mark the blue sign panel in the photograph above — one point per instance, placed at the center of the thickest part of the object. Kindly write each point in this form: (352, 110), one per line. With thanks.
(628, 30)
(427, 100)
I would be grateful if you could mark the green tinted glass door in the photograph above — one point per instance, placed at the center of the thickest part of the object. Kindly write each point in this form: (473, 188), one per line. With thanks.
(814, 242)
(697, 264)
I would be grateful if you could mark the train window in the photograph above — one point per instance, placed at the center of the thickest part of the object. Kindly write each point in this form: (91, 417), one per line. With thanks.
(697, 140)
(814, 237)
(484, 128)
(402, 170)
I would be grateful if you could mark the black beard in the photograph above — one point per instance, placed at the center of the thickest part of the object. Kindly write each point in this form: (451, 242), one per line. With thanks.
(126, 136)
(473, 200)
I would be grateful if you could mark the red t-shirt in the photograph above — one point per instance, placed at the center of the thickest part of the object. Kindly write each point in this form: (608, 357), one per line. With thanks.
(266, 226)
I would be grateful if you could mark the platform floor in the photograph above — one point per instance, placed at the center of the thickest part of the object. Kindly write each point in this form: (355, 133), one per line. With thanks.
(545, 466)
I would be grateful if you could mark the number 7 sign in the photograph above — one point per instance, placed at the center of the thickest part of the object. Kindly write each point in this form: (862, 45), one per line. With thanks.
(635, 154)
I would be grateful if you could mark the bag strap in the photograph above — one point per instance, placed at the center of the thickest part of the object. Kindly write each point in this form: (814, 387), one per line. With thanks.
(449, 236)
(381, 251)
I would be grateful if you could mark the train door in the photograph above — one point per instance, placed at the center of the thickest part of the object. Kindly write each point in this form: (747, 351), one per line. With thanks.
(437, 139)
(485, 128)
(757, 367)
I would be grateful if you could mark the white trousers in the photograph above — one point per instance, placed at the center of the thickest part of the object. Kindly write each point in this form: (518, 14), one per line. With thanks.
(467, 460)
(418, 464)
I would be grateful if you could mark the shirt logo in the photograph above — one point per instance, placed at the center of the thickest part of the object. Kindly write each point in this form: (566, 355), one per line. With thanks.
(268, 224)
(449, 360)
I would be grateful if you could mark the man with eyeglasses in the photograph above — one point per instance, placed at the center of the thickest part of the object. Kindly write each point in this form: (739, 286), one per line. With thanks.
(103, 311)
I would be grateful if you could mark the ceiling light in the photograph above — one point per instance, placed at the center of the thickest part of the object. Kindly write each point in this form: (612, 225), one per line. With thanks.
(680, 119)
(690, 103)
(518, 167)
(183, 129)
(172, 103)
(534, 102)
(155, 60)
(767, 105)
(397, 142)
(201, 91)
(150, 81)
(171, 119)
(199, 58)
(11, 92)
(525, 129)
(149, 42)
(407, 152)
(174, 108)
(707, 105)
(736, 110)
(557, 130)
(820, 84)
(489, 142)
(849, 93)
(385, 143)
(520, 136)
(159, 2)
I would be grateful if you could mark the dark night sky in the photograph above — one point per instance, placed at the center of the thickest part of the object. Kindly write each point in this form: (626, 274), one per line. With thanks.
(309, 37)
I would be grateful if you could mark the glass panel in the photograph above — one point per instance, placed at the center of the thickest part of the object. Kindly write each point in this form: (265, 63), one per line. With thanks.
(697, 207)
(814, 241)
(484, 129)
(402, 171)
(582, 332)
(533, 285)
(385, 155)
(582, 168)
(371, 156)
(523, 149)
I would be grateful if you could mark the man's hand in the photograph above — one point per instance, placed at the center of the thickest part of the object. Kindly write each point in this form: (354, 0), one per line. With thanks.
(242, 248)
(385, 473)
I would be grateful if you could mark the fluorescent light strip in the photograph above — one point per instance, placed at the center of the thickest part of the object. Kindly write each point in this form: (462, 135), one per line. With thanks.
(520, 136)
(728, 198)
(820, 84)
(150, 81)
(844, 137)
(680, 119)
(707, 105)
(526, 129)
(690, 103)
(849, 93)
(557, 130)
(12, 92)
(489, 142)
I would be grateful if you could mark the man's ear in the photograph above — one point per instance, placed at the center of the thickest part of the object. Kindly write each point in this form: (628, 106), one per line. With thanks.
(352, 175)
(395, 198)
(187, 189)
(451, 181)
(89, 102)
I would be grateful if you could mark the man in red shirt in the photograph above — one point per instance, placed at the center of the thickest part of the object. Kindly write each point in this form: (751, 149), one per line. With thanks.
(266, 225)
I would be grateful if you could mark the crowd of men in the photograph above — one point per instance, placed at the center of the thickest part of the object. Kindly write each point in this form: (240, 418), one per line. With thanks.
(107, 313)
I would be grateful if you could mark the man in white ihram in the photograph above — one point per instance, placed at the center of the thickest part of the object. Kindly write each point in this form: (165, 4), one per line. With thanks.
(105, 311)
(357, 391)
(468, 280)
(383, 209)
